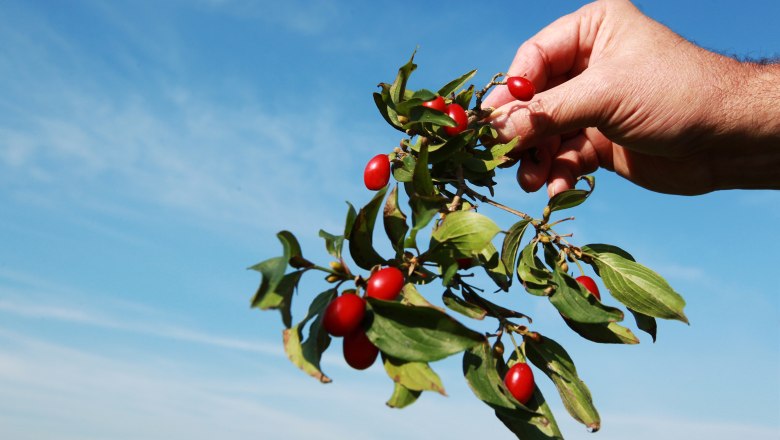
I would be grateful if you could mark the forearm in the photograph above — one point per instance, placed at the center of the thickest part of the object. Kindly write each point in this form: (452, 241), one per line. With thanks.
(747, 147)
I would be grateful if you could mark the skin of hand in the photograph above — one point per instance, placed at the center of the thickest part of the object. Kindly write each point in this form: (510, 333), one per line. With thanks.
(620, 91)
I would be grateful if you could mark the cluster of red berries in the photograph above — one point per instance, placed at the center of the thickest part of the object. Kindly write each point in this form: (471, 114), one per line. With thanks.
(344, 316)
(377, 172)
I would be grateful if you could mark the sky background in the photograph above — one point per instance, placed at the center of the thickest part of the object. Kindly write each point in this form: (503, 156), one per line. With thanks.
(150, 150)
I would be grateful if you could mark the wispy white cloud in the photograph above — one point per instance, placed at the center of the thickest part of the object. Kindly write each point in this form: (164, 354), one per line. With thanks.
(23, 295)
(91, 136)
(53, 391)
(50, 390)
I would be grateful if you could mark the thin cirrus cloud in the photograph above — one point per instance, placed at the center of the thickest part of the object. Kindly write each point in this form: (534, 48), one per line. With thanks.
(50, 390)
(76, 129)
(24, 295)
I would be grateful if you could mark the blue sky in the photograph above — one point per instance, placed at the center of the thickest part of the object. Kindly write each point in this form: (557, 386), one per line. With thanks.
(149, 151)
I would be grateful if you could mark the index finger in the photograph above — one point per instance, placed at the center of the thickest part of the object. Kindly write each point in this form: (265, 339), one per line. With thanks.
(560, 49)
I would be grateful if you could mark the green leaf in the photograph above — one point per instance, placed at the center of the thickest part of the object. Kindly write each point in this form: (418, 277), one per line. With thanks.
(645, 323)
(411, 296)
(571, 197)
(350, 222)
(405, 107)
(548, 356)
(455, 84)
(333, 243)
(403, 171)
(422, 183)
(292, 250)
(491, 263)
(271, 271)
(467, 232)
(381, 100)
(457, 304)
(488, 160)
(457, 144)
(448, 264)
(423, 200)
(395, 222)
(492, 309)
(533, 421)
(278, 297)
(276, 289)
(598, 248)
(635, 285)
(399, 85)
(530, 270)
(307, 355)
(415, 376)
(511, 245)
(424, 95)
(402, 397)
(361, 237)
(464, 97)
(609, 333)
(421, 334)
(424, 115)
(574, 302)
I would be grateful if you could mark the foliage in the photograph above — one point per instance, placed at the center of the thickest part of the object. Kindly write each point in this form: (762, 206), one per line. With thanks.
(443, 178)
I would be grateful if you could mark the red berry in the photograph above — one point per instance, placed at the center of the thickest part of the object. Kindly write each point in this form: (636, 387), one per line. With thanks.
(456, 112)
(344, 314)
(436, 103)
(385, 284)
(377, 172)
(519, 380)
(590, 285)
(521, 88)
(465, 263)
(359, 352)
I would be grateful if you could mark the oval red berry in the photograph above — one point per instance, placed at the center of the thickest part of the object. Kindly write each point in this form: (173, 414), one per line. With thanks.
(590, 285)
(521, 88)
(519, 380)
(385, 284)
(344, 314)
(359, 352)
(456, 112)
(436, 103)
(377, 172)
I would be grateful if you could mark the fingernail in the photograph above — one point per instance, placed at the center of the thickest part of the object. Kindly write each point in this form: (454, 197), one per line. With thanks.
(553, 188)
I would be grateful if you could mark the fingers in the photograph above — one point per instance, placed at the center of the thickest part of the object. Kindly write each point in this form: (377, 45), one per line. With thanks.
(576, 157)
(535, 165)
(555, 51)
(586, 100)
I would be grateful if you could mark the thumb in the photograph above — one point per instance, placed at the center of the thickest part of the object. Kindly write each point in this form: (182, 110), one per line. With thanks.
(583, 101)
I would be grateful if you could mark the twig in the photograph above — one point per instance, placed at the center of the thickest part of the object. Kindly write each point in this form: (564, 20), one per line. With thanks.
(484, 199)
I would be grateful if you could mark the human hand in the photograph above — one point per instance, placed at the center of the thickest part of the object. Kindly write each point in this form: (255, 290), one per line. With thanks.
(620, 91)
